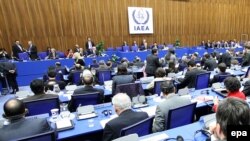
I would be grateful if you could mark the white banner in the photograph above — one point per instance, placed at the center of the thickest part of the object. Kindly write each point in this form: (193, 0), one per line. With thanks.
(140, 20)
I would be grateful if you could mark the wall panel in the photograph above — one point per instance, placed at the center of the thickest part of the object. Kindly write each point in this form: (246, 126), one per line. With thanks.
(64, 23)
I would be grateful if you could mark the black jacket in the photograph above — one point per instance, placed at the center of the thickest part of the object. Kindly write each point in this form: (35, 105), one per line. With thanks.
(126, 118)
(152, 64)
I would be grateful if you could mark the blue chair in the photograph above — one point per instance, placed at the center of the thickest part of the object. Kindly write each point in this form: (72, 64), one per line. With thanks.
(47, 136)
(103, 75)
(42, 55)
(180, 116)
(131, 89)
(94, 66)
(84, 99)
(157, 87)
(142, 128)
(41, 106)
(61, 54)
(76, 77)
(134, 48)
(202, 81)
(221, 78)
(160, 47)
(118, 48)
(23, 56)
(125, 48)
(110, 49)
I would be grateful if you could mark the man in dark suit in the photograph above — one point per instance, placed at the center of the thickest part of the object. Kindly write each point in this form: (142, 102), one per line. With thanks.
(222, 68)
(17, 48)
(53, 54)
(11, 74)
(210, 63)
(3, 54)
(32, 49)
(49, 85)
(126, 117)
(88, 81)
(190, 77)
(77, 68)
(152, 63)
(89, 44)
(37, 87)
(19, 126)
(226, 58)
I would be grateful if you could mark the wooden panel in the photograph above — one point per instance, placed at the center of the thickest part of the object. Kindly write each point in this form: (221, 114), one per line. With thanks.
(64, 23)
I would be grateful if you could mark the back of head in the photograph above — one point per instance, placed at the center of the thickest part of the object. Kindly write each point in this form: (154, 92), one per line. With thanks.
(160, 72)
(121, 101)
(14, 109)
(171, 50)
(167, 87)
(191, 63)
(171, 64)
(52, 74)
(232, 84)
(37, 86)
(232, 111)
(81, 62)
(58, 64)
(122, 69)
(207, 56)
(154, 50)
(87, 77)
(222, 67)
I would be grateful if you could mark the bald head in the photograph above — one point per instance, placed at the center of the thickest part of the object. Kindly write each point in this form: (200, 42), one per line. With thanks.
(13, 108)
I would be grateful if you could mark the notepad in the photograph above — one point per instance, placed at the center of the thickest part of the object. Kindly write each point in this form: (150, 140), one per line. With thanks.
(149, 110)
(64, 124)
(157, 137)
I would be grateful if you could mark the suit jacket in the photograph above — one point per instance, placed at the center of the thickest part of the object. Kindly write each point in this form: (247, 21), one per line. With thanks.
(226, 58)
(190, 78)
(121, 79)
(16, 50)
(126, 118)
(56, 56)
(210, 64)
(216, 77)
(246, 60)
(23, 128)
(152, 64)
(61, 84)
(33, 52)
(40, 96)
(87, 45)
(71, 75)
(86, 90)
(139, 64)
(161, 114)
(246, 89)
(9, 66)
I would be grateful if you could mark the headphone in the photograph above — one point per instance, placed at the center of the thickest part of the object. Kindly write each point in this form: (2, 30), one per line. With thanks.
(204, 132)
(16, 116)
(178, 138)
(107, 112)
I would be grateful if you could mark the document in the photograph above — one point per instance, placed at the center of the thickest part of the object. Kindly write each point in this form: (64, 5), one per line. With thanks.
(63, 123)
(158, 137)
(149, 110)
(103, 122)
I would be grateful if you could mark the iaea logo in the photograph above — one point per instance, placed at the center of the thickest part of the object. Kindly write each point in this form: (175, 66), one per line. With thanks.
(140, 16)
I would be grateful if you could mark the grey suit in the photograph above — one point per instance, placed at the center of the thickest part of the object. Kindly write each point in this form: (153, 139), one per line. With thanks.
(210, 64)
(23, 128)
(172, 101)
(121, 79)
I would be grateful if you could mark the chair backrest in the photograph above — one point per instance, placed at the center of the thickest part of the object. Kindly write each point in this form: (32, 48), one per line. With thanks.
(76, 77)
(180, 116)
(125, 48)
(202, 81)
(142, 128)
(41, 106)
(118, 48)
(247, 73)
(42, 55)
(47, 136)
(157, 87)
(61, 54)
(132, 89)
(23, 56)
(85, 99)
(59, 77)
(104, 75)
(134, 48)
(221, 78)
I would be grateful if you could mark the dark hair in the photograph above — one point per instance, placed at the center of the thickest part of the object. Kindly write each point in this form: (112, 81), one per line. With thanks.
(191, 63)
(232, 111)
(13, 107)
(207, 56)
(37, 86)
(222, 67)
(81, 62)
(52, 73)
(58, 64)
(87, 80)
(122, 69)
(195, 54)
(171, 65)
(154, 50)
(232, 84)
(171, 51)
(109, 63)
(160, 72)
(167, 87)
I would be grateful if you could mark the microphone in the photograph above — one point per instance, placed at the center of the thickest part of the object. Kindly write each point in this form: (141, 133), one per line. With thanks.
(179, 138)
